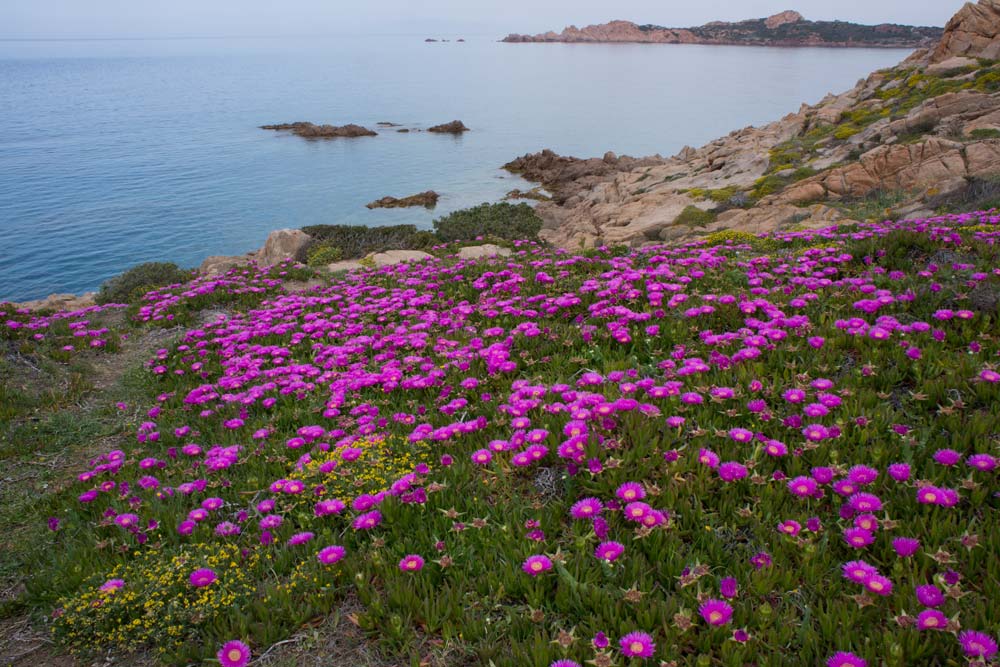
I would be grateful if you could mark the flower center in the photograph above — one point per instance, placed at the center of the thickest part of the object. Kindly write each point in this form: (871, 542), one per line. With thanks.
(636, 647)
(234, 654)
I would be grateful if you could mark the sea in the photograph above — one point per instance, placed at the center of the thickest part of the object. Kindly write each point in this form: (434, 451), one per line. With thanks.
(117, 152)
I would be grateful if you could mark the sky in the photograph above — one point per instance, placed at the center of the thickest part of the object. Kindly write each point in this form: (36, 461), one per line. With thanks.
(29, 19)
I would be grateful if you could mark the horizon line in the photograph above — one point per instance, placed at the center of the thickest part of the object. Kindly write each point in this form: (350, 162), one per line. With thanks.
(134, 38)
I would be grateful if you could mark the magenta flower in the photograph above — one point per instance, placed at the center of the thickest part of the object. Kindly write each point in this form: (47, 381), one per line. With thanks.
(876, 583)
(858, 571)
(947, 457)
(932, 619)
(367, 521)
(859, 538)
(411, 563)
(536, 565)
(716, 612)
(977, 644)
(330, 555)
(761, 560)
(983, 462)
(299, 538)
(930, 595)
(630, 491)
(637, 645)
(112, 585)
(803, 487)
(845, 659)
(905, 546)
(203, 577)
(732, 471)
(609, 551)
(565, 663)
(234, 654)
(899, 471)
(327, 507)
(729, 587)
(586, 508)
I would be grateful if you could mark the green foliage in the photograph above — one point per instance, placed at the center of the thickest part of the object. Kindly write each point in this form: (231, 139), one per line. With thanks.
(503, 220)
(985, 133)
(876, 205)
(356, 241)
(323, 253)
(846, 131)
(692, 216)
(129, 286)
(978, 194)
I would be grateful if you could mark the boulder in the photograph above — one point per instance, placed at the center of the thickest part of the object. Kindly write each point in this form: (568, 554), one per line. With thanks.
(61, 302)
(219, 264)
(345, 265)
(390, 257)
(454, 127)
(949, 65)
(781, 18)
(282, 244)
(974, 32)
(485, 250)
(983, 158)
(427, 199)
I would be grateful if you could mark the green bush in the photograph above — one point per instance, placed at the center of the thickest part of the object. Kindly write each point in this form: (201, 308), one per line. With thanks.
(506, 221)
(129, 286)
(323, 253)
(356, 241)
(692, 216)
(985, 133)
(846, 131)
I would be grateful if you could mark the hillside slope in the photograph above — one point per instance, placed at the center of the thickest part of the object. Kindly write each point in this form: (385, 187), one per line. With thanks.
(917, 137)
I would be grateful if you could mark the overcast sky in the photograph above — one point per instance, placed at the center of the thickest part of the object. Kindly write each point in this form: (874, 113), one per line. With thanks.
(200, 18)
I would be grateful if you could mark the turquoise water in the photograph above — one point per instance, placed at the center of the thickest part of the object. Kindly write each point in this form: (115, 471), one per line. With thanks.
(118, 152)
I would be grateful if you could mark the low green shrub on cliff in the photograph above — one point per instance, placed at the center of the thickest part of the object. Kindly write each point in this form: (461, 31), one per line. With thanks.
(323, 253)
(692, 216)
(128, 286)
(353, 241)
(505, 221)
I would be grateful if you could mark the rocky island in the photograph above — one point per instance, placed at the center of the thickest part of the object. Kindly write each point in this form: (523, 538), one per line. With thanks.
(454, 127)
(427, 199)
(788, 28)
(906, 140)
(313, 131)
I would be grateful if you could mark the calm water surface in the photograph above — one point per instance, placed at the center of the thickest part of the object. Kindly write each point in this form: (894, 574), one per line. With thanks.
(118, 152)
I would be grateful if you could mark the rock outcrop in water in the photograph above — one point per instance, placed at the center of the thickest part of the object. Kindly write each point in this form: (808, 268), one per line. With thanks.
(788, 28)
(913, 137)
(427, 199)
(454, 127)
(313, 131)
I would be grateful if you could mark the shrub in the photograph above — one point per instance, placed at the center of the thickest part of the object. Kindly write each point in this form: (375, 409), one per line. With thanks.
(128, 286)
(692, 216)
(504, 220)
(978, 194)
(846, 131)
(355, 241)
(985, 133)
(321, 254)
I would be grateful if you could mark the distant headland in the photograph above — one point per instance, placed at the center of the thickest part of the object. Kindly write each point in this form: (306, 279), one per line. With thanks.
(788, 28)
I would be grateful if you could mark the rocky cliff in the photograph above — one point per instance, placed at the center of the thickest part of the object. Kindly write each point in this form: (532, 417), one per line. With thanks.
(788, 28)
(912, 137)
